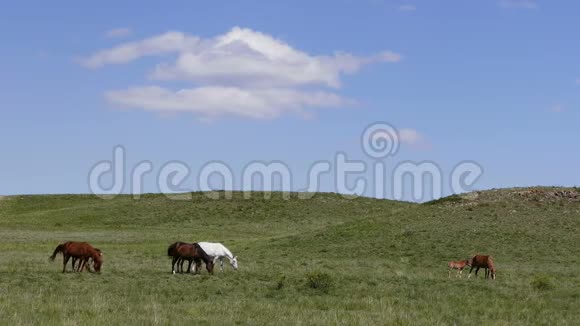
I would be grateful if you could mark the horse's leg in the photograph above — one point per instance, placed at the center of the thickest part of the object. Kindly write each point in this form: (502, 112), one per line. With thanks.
(64, 262)
(470, 269)
(188, 269)
(84, 264)
(81, 265)
(222, 264)
(477, 270)
(90, 262)
(173, 261)
(449, 273)
(176, 265)
(197, 266)
(182, 261)
(180, 265)
(460, 273)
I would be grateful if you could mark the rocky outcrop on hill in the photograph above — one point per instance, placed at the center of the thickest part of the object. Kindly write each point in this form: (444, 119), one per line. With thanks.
(549, 194)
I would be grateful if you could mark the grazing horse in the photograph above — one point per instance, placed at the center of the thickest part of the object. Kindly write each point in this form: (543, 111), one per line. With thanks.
(176, 260)
(181, 251)
(458, 265)
(480, 261)
(78, 250)
(78, 268)
(218, 251)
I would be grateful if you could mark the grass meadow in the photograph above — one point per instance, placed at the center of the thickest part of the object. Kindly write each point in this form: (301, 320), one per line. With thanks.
(325, 260)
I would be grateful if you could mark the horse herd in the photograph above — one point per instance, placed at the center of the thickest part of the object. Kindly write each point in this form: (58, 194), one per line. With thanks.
(210, 253)
(477, 262)
(180, 252)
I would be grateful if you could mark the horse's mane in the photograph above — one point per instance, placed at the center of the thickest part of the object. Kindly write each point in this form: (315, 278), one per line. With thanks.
(231, 254)
(204, 256)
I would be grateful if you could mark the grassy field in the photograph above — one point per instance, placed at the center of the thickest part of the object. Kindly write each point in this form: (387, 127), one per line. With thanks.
(325, 260)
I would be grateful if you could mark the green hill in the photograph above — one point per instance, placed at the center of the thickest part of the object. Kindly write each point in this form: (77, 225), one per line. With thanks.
(325, 260)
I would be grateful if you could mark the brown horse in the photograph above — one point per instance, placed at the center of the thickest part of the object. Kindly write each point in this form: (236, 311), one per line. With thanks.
(175, 258)
(480, 261)
(458, 265)
(181, 252)
(78, 267)
(78, 250)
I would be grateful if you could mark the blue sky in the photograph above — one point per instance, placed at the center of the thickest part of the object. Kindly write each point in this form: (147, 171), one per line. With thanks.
(495, 82)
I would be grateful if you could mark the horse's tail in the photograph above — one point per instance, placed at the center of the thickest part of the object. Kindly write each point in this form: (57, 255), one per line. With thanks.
(172, 248)
(59, 248)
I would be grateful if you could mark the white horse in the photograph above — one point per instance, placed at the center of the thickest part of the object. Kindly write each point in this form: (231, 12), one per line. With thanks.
(218, 251)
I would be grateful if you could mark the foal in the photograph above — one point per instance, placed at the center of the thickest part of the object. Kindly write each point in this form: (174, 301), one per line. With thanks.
(459, 265)
(480, 261)
(78, 268)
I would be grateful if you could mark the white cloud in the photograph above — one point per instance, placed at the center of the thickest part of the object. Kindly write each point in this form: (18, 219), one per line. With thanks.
(241, 56)
(165, 43)
(557, 109)
(118, 32)
(410, 136)
(518, 4)
(407, 8)
(246, 66)
(406, 136)
(242, 72)
(215, 101)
